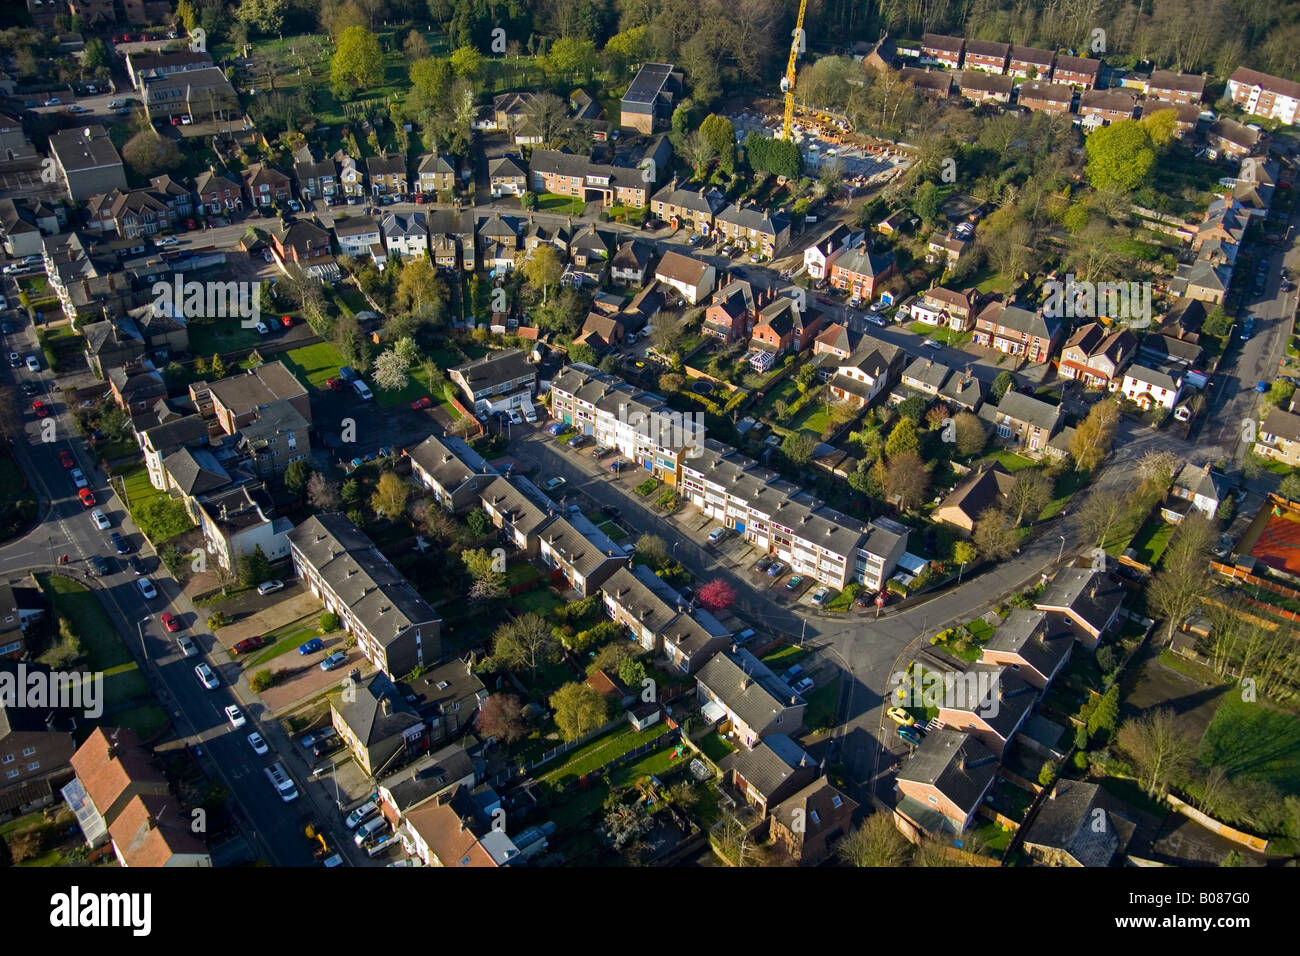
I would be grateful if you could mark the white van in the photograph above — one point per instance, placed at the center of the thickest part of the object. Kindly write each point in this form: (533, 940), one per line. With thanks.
(282, 782)
(369, 829)
(362, 389)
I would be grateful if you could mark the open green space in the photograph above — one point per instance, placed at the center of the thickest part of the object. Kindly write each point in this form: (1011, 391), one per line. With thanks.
(17, 503)
(1151, 541)
(1253, 741)
(1009, 460)
(601, 751)
(785, 657)
(554, 202)
(220, 336)
(820, 713)
(715, 746)
(313, 364)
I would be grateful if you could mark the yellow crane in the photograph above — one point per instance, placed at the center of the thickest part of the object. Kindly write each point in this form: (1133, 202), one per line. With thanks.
(787, 81)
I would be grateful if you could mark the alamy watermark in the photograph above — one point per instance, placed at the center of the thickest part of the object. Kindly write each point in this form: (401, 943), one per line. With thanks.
(53, 690)
(684, 430)
(1127, 302)
(210, 300)
(975, 691)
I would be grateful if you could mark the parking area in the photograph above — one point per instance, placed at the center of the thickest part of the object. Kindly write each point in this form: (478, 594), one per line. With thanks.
(299, 677)
(254, 614)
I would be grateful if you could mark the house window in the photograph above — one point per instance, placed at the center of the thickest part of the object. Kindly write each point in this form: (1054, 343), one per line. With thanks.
(1004, 431)
(34, 765)
(932, 798)
(28, 751)
(12, 773)
(9, 758)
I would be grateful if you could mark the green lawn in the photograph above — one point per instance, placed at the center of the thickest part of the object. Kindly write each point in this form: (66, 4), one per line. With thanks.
(1254, 742)
(283, 640)
(813, 417)
(614, 531)
(221, 336)
(942, 334)
(159, 516)
(1151, 541)
(652, 764)
(539, 600)
(553, 202)
(313, 364)
(820, 713)
(1068, 484)
(145, 721)
(601, 751)
(786, 657)
(1009, 460)
(17, 503)
(715, 746)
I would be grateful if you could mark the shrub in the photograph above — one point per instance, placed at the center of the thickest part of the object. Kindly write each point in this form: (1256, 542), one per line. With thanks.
(217, 620)
(1081, 760)
(261, 680)
(329, 622)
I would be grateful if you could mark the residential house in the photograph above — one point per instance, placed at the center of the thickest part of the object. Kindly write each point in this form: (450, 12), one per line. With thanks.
(1076, 71)
(519, 509)
(932, 84)
(1263, 95)
(693, 209)
(387, 174)
(1202, 280)
(136, 386)
(1079, 824)
(691, 638)
(860, 270)
(217, 194)
(1176, 87)
(644, 603)
(237, 401)
(360, 236)
(86, 162)
(584, 554)
(987, 55)
(405, 236)
(1095, 356)
(507, 177)
(380, 728)
(435, 173)
(976, 493)
(945, 307)
(509, 110)
(395, 628)
(940, 50)
(427, 777)
(963, 390)
(1279, 437)
(731, 313)
(1107, 106)
(153, 830)
(1196, 488)
(745, 693)
(817, 257)
(648, 104)
(112, 769)
(276, 438)
(867, 373)
(266, 185)
(1085, 601)
(946, 248)
(1150, 388)
(143, 66)
(195, 96)
(1023, 422)
(452, 242)
(926, 376)
(993, 717)
(982, 87)
(444, 832)
(1234, 140)
(945, 780)
(499, 381)
(693, 278)
(1039, 95)
(352, 179)
(1035, 646)
(37, 739)
(775, 769)
(782, 325)
(299, 241)
(22, 226)
(631, 263)
(454, 472)
(317, 178)
(1030, 63)
(499, 241)
(1188, 115)
(810, 824)
(111, 344)
(754, 228)
(237, 522)
(167, 438)
(1016, 331)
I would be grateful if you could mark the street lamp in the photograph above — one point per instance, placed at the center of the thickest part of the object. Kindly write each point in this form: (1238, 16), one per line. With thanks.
(139, 626)
(1060, 553)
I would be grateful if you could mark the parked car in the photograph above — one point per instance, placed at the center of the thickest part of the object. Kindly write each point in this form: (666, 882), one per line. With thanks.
(270, 587)
(600, 451)
(186, 646)
(170, 622)
(421, 403)
(33, 363)
(137, 566)
(65, 459)
(369, 829)
(334, 660)
(39, 408)
(147, 589)
(578, 441)
(776, 569)
(258, 744)
(361, 814)
(235, 716)
(716, 535)
(821, 596)
(206, 677)
(555, 429)
(794, 581)
(335, 384)
(530, 415)
(609, 511)
(101, 520)
(120, 544)
(100, 565)
(78, 477)
(554, 484)
(911, 735)
(932, 344)
(900, 716)
(804, 685)
(311, 647)
(248, 644)
(87, 498)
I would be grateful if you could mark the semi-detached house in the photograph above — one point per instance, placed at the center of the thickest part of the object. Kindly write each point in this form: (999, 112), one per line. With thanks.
(736, 686)
(497, 382)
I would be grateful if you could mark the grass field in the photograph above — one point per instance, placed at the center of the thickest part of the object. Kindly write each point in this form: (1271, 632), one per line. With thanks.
(1009, 460)
(283, 640)
(159, 516)
(1252, 741)
(552, 202)
(601, 751)
(313, 364)
(1151, 541)
(785, 658)
(221, 336)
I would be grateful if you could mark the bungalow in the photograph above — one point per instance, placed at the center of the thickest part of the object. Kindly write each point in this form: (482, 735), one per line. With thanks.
(1196, 488)
(752, 700)
(943, 783)
(1079, 824)
(454, 472)
(1031, 644)
(692, 277)
(1150, 388)
(942, 307)
(1095, 357)
(1030, 63)
(1040, 95)
(860, 270)
(987, 488)
(774, 770)
(1085, 601)
(584, 554)
(1023, 422)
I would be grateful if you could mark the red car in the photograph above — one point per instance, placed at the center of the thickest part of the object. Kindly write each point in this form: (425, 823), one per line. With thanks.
(65, 459)
(86, 497)
(419, 199)
(191, 225)
(335, 384)
(170, 622)
(39, 408)
(425, 402)
(247, 644)
(286, 321)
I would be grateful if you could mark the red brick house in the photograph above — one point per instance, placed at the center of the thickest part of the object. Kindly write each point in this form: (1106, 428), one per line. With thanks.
(1017, 331)
(942, 50)
(809, 824)
(1176, 87)
(730, 316)
(942, 784)
(860, 271)
(781, 326)
(1046, 97)
(987, 55)
(1030, 63)
(1076, 71)
(1108, 105)
(1096, 358)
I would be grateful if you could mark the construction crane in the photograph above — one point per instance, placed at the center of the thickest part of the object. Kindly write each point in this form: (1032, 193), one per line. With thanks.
(787, 81)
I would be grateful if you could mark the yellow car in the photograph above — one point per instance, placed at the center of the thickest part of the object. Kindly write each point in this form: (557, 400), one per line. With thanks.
(900, 716)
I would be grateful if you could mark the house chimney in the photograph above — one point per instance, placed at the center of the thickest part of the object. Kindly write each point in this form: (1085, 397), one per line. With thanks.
(385, 706)
(961, 760)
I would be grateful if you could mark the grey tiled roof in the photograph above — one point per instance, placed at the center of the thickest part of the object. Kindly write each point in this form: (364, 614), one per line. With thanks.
(954, 763)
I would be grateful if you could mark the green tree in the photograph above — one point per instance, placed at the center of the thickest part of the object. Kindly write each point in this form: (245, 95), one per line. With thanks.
(466, 61)
(1290, 487)
(902, 438)
(96, 55)
(1101, 722)
(1093, 437)
(1280, 392)
(720, 134)
(804, 377)
(543, 269)
(578, 708)
(963, 553)
(970, 434)
(582, 352)
(994, 535)
(264, 16)
(1218, 322)
(254, 568)
(1001, 384)
(358, 62)
(907, 479)
(478, 522)
(526, 642)
(798, 447)
(631, 672)
(571, 55)
(216, 367)
(390, 495)
(1121, 156)
(296, 477)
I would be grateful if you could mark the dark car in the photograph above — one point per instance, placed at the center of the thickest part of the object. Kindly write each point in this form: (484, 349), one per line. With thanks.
(325, 747)
(247, 645)
(120, 544)
(763, 563)
(137, 566)
(100, 565)
(311, 647)
(609, 511)
(617, 466)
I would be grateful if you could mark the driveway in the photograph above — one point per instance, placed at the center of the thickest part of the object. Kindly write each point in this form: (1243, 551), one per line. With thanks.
(254, 614)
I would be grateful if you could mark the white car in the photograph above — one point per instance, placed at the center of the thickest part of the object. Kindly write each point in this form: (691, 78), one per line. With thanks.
(33, 363)
(186, 645)
(262, 329)
(258, 744)
(363, 812)
(79, 478)
(270, 587)
(54, 101)
(235, 716)
(206, 677)
(530, 416)
(369, 829)
(515, 418)
(932, 344)
(101, 519)
(146, 588)
(716, 535)
(168, 241)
